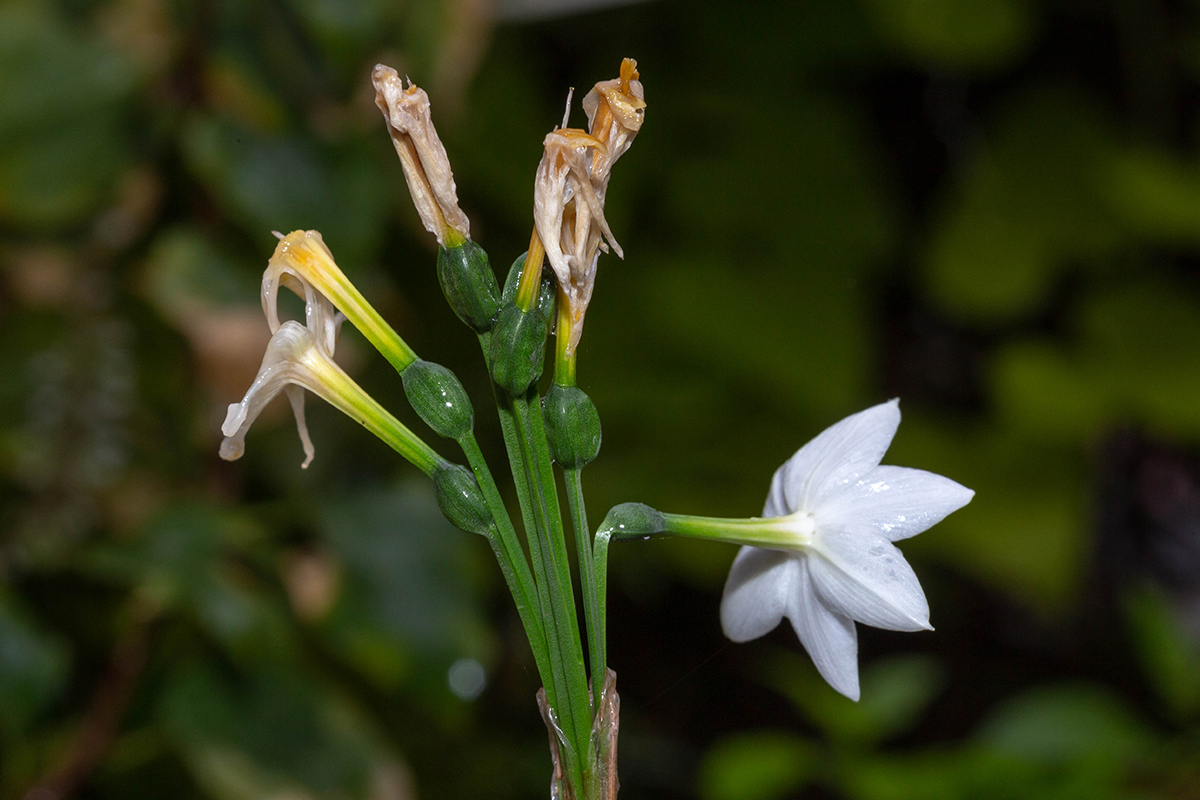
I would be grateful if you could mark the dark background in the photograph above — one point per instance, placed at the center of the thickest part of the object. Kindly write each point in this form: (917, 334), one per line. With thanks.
(989, 208)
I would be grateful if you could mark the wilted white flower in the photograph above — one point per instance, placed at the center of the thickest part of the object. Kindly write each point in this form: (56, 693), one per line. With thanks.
(569, 218)
(290, 266)
(834, 515)
(303, 263)
(571, 183)
(295, 359)
(300, 356)
(615, 110)
(422, 156)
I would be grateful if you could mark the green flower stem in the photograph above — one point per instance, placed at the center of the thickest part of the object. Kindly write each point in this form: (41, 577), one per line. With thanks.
(351, 399)
(339, 390)
(556, 686)
(623, 522)
(575, 711)
(525, 597)
(319, 269)
(512, 558)
(593, 608)
(531, 274)
(554, 683)
(372, 325)
(564, 361)
(788, 532)
(508, 427)
(600, 588)
(504, 540)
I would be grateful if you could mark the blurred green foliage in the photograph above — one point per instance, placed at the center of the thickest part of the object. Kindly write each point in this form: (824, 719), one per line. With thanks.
(1057, 741)
(990, 209)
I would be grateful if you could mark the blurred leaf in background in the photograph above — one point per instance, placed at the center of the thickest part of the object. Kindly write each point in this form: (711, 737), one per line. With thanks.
(66, 101)
(32, 672)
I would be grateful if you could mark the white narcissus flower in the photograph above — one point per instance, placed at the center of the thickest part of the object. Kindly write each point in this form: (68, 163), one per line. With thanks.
(835, 513)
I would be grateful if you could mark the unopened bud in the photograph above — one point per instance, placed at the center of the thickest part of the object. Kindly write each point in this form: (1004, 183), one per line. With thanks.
(469, 284)
(460, 499)
(438, 397)
(518, 349)
(572, 426)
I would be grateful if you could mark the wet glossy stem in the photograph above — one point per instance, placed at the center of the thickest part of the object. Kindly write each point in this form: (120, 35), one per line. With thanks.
(511, 556)
(604, 536)
(575, 708)
(771, 532)
(600, 589)
(554, 683)
(503, 537)
(593, 607)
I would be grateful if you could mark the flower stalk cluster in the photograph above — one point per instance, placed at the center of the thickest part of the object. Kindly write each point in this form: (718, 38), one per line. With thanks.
(821, 555)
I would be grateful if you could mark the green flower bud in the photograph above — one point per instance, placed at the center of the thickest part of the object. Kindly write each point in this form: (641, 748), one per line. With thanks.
(459, 498)
(518, 349)
(469, 284)
(438, 398)
(546, 292)
(630, 520)
(572, 426)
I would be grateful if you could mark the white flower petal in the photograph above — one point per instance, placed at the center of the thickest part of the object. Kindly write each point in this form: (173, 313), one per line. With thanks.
(828, 636)
(757, 593)
(295, 396)
(777, 501)
(549, 204)
(233, 446)
(272, 378)
(866, 577)
(893, 502)
(836, 458)
(281, 367)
